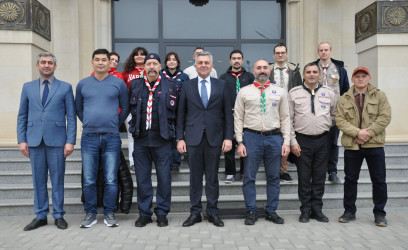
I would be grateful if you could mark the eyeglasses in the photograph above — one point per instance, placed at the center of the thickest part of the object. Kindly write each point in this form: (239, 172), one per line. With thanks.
(280, 53)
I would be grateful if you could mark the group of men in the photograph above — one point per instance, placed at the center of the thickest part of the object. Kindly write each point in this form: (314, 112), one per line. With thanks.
(265, 116)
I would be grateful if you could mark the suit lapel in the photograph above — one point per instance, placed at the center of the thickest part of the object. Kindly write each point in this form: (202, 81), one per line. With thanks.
(36, 91)
(214, 89)
(54, 87)
(196, 93)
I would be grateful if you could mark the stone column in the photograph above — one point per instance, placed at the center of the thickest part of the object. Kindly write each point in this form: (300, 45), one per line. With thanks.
(381, 36)
(25, 31)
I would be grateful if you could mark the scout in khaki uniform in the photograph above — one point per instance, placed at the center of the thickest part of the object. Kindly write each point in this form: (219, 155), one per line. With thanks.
(261, 124)
(334, 76)
(312, 110)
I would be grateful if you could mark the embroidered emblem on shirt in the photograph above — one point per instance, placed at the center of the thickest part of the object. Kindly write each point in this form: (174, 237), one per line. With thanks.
(324, 107)
(323, 94)
(172, 103)
(274, 104)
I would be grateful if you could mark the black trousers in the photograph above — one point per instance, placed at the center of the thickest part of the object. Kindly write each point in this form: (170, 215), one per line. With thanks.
(334, 150)
(204, 159)
(311, 168)
(230, 168)
(375, 158)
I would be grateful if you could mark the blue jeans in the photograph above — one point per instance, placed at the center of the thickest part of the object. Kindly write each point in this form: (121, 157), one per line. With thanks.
(269, 149)
(107, 148)
(353, 159)
(143, 158)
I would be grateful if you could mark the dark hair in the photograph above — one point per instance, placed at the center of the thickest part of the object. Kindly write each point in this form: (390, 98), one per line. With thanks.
(235, 51)
(198, 48)
(168, 58)
(115, 54)
(310, 65)
(101, 52)
(130, 61)
(280, 45)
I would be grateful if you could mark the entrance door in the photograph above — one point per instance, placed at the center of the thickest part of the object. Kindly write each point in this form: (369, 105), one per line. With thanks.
(220, 55)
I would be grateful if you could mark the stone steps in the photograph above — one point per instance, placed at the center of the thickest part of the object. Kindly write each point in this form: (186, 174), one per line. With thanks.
(181, 204)
(16, 191)
(72, 190)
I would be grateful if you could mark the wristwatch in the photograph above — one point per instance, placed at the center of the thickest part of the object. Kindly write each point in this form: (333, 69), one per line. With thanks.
(239, 142)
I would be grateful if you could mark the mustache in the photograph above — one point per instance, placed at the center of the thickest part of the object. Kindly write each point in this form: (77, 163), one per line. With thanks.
(152, 70)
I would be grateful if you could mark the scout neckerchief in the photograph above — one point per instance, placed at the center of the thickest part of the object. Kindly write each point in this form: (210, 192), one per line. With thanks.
(262, 88)
(312, 94)
(325, 67)
(237, 85)
(150, 101)
(282, 78)
(174, 77)
(141, 70)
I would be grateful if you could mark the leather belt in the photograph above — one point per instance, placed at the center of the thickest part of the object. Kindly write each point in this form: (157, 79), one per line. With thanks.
(99, 133)
(264, 133)
(314, 136)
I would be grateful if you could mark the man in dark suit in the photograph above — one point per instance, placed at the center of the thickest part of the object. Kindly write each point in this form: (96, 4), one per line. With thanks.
(204, 128)
(46, 133)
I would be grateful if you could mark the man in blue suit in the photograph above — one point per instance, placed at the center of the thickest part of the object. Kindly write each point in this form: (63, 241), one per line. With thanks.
(204, 128)
(46, 133)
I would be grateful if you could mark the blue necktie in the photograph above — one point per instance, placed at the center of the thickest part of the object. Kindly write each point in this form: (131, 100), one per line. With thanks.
(204, 95)
(45, 92)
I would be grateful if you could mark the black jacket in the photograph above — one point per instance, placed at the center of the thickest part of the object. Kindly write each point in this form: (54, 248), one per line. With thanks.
(245, 79)
(344, 81)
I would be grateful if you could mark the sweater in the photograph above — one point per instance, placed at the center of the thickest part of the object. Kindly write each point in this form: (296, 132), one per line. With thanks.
(97, 104)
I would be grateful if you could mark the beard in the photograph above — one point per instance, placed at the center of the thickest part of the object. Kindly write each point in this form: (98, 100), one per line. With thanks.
(262, 77)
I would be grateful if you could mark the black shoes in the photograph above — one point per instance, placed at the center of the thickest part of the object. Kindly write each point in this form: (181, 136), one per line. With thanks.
(143, 221)
(380, 220)
(319, 216)
(285, 177)
(36, 223)
(192, 219)
(216, 220)
(251, 218)
(162, 221)
(333, 178)
(274, 217)
(347, 217)
(304, 217)
(61, 223)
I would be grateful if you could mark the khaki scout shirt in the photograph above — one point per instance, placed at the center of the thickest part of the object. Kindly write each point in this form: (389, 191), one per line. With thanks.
(247, 111)
(332, 76)
(302, 119)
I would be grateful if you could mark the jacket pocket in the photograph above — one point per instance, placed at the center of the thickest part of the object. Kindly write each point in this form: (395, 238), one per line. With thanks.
(60, 124)
(372, 110)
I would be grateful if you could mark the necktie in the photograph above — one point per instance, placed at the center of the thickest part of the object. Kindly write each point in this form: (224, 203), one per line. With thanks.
(204, 94)
(45, 92)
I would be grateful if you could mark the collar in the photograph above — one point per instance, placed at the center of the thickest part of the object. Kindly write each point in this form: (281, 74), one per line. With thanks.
(276, 67)
(357, 93)
(200, 79)
(51, 80)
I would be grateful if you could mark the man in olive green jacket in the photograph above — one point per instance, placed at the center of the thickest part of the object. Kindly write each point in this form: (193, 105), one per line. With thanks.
(363, 113)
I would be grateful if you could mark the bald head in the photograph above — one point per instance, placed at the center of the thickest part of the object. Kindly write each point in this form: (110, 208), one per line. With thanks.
(261, 71)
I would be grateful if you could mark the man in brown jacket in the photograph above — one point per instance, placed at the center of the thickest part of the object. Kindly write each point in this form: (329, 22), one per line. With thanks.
(363, 113)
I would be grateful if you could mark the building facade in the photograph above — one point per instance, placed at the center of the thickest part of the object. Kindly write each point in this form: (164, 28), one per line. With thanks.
(73, 29)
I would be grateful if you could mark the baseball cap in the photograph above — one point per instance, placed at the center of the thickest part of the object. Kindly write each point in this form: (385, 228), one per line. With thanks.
(360, 68)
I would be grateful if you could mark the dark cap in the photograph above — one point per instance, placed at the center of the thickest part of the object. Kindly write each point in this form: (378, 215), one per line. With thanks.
(152, 56)
(360, 68)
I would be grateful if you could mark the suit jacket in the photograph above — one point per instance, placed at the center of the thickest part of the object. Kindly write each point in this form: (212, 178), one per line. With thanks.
(192, 116)
(55, 123)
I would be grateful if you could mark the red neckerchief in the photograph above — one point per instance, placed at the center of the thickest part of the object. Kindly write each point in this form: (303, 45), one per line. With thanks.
(150, 101)
(168, 77)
